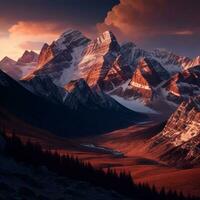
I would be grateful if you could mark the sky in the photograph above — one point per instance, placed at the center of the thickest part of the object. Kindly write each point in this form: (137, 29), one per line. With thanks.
(170, 24)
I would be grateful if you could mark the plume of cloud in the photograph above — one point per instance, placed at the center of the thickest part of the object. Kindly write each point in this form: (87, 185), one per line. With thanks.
(36, 28)
(139, 19)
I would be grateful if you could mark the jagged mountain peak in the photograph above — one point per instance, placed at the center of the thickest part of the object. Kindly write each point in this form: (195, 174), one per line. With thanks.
(61, 55)
(98, 58)
(103, 62)
(45, 46)
(7, 59)
(70, 32)
(29, 52)
(8, 66)
(27, 57)
(106, 36)
(106, 39)
(67, 41)
(69, 38)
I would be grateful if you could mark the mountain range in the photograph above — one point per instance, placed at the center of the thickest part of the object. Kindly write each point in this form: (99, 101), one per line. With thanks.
(79, 86)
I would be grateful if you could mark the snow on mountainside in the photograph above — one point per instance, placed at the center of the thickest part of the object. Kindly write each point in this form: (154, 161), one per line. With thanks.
(98, 59)
(72, 57)
(172, 62)
(60, 56)
(125, 71)
(180, 139)
(183, 85)
(149, 75)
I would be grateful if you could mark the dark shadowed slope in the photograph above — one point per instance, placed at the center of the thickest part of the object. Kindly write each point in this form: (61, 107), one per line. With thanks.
(59, 118)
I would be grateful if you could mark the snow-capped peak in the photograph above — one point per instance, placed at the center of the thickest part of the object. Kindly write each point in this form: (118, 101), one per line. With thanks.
(69, 37)
(69, 32)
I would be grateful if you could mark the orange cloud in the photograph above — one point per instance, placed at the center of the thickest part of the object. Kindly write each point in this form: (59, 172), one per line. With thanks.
(186, 32)
(30, 35)
(36, 28)
(130, 17)
(139, 19)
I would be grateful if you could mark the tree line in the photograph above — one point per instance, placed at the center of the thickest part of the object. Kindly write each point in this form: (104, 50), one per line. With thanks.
(71, 167)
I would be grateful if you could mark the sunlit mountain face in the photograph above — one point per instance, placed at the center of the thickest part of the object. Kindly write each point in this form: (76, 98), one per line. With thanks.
(100, 99)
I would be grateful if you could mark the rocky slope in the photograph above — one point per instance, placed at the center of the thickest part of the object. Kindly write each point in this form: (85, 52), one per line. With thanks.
(59, 117)
(183, 85)
(148, 76)
(9, 66)
(57, 60)
(20, 68)
(79, 94)
(28, 57)
(43, 86)
(27, 62)
(99, 61)
(180, 139)
(125, 71)
(72, 56)
(172, 62)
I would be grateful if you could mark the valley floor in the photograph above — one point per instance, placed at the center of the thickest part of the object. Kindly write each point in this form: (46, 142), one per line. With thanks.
(130, 144)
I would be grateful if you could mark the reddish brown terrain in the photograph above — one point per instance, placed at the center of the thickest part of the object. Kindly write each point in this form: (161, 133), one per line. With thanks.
(79, 87)
(144, 166)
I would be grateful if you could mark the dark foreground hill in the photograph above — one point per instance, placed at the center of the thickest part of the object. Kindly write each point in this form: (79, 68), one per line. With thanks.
(35, 172)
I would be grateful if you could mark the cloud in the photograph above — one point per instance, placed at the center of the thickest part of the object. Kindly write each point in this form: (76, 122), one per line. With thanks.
(30, 35)
(2, 34)
(27, 35)
(72, 11)
(139, 19)
(36, 21)
(47, 31)
(184, 33)
(36, 28)
(30, 45)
